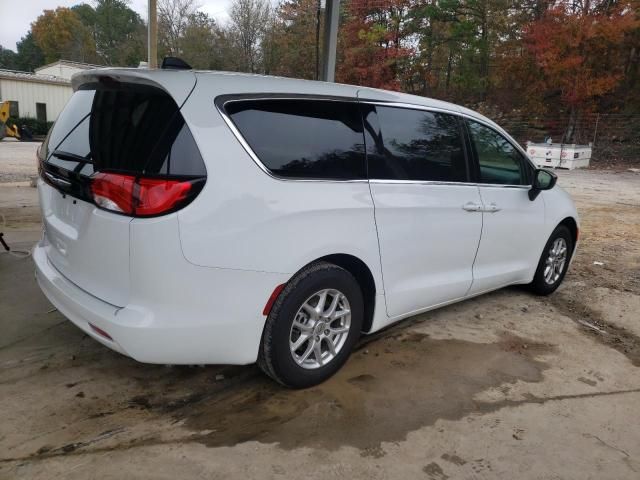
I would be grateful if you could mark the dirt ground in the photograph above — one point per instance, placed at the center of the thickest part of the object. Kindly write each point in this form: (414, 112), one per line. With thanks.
(507, 385)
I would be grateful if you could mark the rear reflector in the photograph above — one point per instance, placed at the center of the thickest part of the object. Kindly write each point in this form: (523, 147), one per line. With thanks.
(138, 196)
(100, 332)
(272, 299)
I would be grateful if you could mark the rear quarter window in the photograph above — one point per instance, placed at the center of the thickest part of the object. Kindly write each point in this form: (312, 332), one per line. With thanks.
(305, 139)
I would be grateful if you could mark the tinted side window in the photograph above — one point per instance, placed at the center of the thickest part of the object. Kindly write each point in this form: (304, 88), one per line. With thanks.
(500, 163)
(303, 138)
(418, 145)
(71, 130)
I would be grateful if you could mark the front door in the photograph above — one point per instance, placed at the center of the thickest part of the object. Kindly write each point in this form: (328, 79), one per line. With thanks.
(512, 224)
(427, 213)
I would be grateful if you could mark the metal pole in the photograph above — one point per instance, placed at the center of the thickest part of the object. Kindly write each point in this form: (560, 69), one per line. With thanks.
(152, 38)
(595, 133)
(330, 44)
(318, 13)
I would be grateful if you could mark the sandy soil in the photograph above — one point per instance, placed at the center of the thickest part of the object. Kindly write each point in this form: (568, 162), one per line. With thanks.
(507, 385)
(17, 160)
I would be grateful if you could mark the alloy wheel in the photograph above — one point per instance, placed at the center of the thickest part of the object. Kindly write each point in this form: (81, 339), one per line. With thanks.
(320, 329)
(556, 259)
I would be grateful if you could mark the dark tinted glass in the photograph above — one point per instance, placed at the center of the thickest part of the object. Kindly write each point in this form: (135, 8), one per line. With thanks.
(417, 145)
(500, 162)
(75, 114)
(303, 138)
(126, 128)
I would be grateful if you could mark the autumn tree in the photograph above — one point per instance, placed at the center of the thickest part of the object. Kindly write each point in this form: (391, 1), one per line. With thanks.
(374, 43)
(60, 34)
(578, 49)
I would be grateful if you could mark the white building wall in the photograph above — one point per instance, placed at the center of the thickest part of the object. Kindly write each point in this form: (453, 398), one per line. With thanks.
(28, 93)
(59, 70)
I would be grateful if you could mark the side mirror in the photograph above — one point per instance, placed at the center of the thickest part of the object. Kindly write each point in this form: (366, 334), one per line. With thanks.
(542, 180)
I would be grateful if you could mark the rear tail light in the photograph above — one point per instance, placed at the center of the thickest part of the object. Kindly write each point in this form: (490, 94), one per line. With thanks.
(142, 197)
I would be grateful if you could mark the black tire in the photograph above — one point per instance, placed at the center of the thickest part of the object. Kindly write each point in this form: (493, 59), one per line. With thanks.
(275, 357)
(539, 285)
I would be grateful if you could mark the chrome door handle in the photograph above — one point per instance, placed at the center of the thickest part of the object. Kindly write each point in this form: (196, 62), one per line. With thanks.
(472, 207)
(492, 208)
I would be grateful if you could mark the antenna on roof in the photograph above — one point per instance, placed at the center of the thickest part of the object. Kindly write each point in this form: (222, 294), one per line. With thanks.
(175, 63)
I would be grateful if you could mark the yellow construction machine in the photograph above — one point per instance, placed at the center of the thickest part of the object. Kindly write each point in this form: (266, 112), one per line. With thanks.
(6, 130)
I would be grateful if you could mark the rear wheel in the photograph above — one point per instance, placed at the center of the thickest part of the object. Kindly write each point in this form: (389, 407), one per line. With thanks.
(312, 326)
(554, 262)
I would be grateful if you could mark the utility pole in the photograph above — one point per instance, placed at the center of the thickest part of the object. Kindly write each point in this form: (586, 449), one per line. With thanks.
(318, 13)
(331, 19)
(152, 37)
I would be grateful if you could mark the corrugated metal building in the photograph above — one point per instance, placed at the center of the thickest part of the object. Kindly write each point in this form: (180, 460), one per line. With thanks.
(42, 94)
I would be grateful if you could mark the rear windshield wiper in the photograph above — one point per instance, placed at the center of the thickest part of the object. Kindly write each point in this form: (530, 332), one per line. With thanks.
(71, 156)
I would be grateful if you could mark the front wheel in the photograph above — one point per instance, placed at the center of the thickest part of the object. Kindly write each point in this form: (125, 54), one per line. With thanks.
(554, 262)
(312, 327)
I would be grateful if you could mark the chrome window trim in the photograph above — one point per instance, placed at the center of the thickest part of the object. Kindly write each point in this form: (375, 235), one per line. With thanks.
(437, 182)
(292, 96)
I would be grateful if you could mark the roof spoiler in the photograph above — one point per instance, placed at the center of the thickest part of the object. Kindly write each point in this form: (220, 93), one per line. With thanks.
(178, 84)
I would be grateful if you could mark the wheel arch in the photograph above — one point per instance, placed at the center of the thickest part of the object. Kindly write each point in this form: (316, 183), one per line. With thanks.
(572, 225)
(363, 275)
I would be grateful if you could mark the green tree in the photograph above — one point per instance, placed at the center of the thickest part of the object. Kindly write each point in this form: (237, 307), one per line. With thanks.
(290, 42)
(198, 42)
(29, 55)
(117, 31)
(8, 59)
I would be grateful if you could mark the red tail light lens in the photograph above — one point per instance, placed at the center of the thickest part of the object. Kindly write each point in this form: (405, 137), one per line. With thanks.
(137, 196)
(113, 192)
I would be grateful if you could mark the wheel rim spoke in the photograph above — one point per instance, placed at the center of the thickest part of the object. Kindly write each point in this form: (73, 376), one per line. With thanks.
(331, 346)
(332, 308)
(317, 352)
(300, 341)
(322, 300)
(339, 330)
(303, 327)
(306, 353)
(340, 314)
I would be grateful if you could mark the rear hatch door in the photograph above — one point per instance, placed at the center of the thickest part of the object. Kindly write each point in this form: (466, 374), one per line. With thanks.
(115, 121)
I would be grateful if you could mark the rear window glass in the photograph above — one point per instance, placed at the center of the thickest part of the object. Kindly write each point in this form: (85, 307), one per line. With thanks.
(303, 138)
(126, 128)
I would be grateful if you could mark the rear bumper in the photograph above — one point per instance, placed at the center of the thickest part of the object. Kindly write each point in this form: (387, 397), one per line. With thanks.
(74, 303)
(222, 325)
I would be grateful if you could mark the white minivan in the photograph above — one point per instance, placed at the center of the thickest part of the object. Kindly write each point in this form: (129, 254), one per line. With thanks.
(207, 217)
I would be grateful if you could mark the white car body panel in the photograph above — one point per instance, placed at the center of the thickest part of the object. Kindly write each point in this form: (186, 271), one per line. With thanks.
(87, 245)
(190, 287)
(427, 242)
(511, 234)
